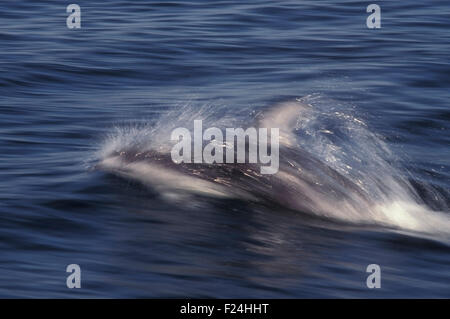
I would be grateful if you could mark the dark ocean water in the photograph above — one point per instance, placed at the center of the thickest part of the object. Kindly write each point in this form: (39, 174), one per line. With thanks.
(63, 92)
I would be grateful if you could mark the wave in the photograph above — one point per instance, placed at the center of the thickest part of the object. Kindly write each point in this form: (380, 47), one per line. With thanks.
(331, 165)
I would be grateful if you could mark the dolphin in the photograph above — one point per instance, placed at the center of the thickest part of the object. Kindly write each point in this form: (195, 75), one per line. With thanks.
(304, 182)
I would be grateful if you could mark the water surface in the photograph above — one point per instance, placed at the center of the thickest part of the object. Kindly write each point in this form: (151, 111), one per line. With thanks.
(66, 93)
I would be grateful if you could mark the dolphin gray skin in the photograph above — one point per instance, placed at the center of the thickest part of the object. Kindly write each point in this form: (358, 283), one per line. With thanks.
(303, 182)
(294, 186)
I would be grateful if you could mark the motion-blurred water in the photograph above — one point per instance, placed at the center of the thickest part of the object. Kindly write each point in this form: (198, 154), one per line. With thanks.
(64, 93)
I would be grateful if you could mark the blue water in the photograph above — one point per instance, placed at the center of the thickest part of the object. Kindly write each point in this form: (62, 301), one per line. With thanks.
(63, 92)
